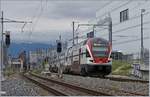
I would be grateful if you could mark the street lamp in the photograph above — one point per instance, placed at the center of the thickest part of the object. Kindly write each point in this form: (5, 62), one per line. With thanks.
(142, 46)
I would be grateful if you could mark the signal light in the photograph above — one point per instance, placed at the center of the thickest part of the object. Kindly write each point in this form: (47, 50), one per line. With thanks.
(59, 47)
(7, 38)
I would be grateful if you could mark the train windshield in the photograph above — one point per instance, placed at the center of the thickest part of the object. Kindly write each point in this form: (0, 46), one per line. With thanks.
(100, 51)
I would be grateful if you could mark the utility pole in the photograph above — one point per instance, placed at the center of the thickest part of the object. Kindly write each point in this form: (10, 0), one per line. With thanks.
(60, 37)
(73, 32)
(77, 38)
(2, 23)
(1, 52)
(110, 30)
(94, 30)
(142, 46)
(2, 46)
(59, 50)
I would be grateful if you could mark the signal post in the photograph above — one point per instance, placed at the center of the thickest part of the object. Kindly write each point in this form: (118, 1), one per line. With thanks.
(59, 50)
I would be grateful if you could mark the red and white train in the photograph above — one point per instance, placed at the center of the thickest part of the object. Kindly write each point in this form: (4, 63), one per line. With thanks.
(90, 57)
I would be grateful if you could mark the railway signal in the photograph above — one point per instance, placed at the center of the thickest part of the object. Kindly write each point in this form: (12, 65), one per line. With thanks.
(7, 38)
(59, 50)
(59, 47)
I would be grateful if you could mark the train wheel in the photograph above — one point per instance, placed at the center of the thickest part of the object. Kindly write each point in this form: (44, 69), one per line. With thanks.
(83, 72)
(102, 76)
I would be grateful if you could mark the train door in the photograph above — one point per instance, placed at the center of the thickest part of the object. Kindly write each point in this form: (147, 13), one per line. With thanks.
(68, 60)
(69, 57)
(83, 55)
(79, 60)
(83, 60)
(75, 63)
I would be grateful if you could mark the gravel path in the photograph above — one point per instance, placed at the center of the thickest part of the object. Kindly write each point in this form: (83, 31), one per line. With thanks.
(17, 86)
(99, 84)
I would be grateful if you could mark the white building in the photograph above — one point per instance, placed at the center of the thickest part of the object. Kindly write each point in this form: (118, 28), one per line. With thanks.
(33, 57)
(37, 57)
(126, 25)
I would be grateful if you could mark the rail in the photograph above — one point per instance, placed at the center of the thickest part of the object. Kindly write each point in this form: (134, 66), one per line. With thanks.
(44, 86)
(85, 90)
(89, 91)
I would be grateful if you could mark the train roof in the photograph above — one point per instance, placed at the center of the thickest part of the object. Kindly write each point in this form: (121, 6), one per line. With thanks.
(101, 39)
(92, 39)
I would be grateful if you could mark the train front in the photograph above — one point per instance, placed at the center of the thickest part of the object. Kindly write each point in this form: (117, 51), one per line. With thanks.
(99, 61)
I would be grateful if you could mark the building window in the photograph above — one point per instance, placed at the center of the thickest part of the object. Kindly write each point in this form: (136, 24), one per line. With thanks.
(124, 15)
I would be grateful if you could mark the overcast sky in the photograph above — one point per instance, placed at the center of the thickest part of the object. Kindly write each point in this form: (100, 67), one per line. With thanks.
(50, 18)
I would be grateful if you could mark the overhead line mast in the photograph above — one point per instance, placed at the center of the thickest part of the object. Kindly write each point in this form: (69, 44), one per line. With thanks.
(2, 33)
(73, 32)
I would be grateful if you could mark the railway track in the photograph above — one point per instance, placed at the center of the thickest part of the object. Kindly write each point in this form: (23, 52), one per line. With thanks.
(117, 79)
(45, 83)
(104, 91)
(126, 80)
(123, 91)
(44, 86)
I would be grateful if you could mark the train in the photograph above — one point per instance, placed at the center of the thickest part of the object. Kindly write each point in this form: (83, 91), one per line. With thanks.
(89, 57)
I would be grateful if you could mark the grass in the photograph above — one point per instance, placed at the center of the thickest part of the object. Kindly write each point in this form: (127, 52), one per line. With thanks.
(37, 71)
(121, 68)
(8, 71)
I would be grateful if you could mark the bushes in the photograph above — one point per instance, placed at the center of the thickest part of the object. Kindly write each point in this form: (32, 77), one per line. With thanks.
(8, 71)
(37, 71)
(121, 68)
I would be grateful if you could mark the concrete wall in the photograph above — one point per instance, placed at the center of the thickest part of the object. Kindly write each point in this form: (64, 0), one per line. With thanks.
(130, 28)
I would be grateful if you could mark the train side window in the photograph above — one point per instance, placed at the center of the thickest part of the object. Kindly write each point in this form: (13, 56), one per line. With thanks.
(87, 53)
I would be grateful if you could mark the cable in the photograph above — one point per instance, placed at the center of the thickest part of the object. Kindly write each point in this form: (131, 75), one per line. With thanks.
(129, 1)
(23, 27)
(33, 18)
(76, 29)
(107, 4)
(38, 17)
(123, 42)
(132, 18)
(127, 28)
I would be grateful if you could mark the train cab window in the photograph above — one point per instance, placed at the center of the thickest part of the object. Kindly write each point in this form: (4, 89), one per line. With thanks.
(100, 51)
(87, 53)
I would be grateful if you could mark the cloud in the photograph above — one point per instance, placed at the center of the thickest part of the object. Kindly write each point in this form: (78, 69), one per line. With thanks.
(49, 17)
(75, 9)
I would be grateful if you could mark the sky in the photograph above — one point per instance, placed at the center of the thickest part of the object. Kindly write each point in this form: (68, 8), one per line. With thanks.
(49, 18)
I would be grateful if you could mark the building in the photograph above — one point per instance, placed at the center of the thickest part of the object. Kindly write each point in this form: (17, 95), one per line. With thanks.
(32, 57)
(126, 24)
(23, 60)
(38, 56)
(16, 64)
(126, 18)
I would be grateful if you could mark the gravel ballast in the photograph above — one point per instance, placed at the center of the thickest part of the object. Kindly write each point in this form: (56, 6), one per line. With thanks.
(100, 84)
(18, 86)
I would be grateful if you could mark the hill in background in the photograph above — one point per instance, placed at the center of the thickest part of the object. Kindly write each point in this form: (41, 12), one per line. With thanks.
(15, 48)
